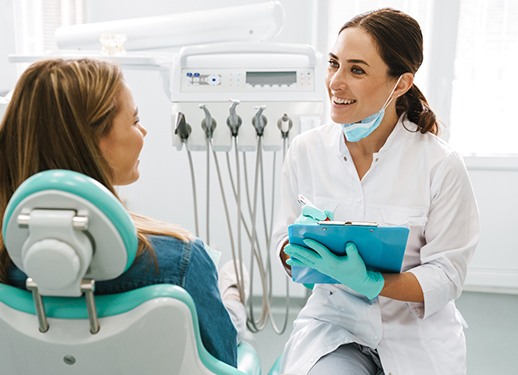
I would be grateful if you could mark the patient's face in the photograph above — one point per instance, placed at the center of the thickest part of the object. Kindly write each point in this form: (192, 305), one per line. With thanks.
(122, 146)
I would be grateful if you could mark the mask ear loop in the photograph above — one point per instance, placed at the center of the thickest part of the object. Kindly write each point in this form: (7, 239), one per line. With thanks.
(389, 99)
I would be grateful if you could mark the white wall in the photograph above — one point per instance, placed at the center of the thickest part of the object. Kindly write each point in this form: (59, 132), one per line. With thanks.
(495, 264)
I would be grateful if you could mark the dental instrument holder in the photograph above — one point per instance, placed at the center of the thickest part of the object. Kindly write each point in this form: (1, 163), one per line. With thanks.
(182, 128)
(259, 121)
(220, 137)
(234, 121)
(208, 124)
(285, 124)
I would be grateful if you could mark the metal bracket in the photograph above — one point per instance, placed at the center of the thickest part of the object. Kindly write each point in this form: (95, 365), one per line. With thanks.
(38, 304)
(87, 287)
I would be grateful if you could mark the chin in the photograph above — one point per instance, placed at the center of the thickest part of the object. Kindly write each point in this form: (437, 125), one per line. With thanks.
(128, 180)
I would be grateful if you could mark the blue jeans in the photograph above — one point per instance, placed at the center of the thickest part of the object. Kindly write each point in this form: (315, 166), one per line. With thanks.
(184, 264)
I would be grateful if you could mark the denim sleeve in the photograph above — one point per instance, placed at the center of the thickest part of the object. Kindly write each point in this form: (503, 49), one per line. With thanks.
(218, 334)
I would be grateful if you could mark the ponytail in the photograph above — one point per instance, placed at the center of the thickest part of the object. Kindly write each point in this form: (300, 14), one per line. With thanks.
(418, 110)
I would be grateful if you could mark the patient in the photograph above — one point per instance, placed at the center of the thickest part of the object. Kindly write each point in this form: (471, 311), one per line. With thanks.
(80, 115)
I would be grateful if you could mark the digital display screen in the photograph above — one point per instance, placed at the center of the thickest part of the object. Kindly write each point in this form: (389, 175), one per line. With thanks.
(271, 78)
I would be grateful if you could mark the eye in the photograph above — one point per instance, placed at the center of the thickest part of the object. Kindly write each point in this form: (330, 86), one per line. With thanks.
(333, 63)
(357, 70)
(137, 120)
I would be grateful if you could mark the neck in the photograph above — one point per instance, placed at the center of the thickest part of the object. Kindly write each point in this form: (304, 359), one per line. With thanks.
(375, 141)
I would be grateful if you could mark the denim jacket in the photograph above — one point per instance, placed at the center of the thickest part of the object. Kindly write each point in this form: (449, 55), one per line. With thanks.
(186, 264)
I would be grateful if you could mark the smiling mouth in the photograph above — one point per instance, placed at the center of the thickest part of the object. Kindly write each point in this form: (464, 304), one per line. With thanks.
(341, 101)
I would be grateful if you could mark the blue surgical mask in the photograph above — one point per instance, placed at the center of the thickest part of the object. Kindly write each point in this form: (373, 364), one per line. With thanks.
(361, 129)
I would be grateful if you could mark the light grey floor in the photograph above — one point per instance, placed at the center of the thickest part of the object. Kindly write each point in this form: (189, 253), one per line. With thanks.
(492, 335)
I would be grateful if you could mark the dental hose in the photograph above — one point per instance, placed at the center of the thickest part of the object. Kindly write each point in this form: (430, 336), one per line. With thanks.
(194, 195)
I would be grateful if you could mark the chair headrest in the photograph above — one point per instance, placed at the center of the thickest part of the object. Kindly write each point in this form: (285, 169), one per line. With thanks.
(61, 226)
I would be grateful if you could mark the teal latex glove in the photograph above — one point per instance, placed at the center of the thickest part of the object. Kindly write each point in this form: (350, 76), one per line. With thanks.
(311, 215)
(349, 269)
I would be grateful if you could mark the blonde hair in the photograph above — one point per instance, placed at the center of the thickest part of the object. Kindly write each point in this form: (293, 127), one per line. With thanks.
(58, 112)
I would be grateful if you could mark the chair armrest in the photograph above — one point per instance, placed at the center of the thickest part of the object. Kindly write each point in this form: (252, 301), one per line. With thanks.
(248, 359)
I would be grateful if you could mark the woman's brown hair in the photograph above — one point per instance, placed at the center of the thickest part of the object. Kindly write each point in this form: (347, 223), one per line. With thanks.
(400, 44)
(58, 112)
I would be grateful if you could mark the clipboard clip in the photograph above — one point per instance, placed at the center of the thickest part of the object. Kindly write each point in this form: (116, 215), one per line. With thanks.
(351, 223)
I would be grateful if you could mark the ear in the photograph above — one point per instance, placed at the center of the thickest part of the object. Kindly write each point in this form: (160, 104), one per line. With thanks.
(405, 83)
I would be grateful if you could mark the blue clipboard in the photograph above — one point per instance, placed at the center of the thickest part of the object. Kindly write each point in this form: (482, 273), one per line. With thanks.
(382, 248)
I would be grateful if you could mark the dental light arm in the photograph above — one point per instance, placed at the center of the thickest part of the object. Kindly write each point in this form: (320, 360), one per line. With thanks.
(254, 22)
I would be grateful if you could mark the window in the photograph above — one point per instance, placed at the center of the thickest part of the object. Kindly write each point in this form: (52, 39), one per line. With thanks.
(35, 22)
(485, 82)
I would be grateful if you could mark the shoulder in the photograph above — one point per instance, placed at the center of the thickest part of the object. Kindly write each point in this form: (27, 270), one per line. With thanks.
(162, 243)
(430, 144)
(431, 150)
(175, 256)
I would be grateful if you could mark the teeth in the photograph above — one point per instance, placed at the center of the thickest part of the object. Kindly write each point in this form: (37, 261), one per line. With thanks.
(343, 101)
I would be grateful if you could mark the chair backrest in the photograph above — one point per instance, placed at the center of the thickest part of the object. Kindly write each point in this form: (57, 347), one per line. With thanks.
(62, 226)
(54, 329)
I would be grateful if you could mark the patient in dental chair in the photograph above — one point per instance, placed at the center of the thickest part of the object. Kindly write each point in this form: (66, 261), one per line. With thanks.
(80, 115)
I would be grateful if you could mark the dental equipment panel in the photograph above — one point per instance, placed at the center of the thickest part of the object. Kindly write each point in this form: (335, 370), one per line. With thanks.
(273, 89)
(246, 98)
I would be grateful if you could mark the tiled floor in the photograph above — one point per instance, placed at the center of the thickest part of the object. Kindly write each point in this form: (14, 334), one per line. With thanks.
(492, 336)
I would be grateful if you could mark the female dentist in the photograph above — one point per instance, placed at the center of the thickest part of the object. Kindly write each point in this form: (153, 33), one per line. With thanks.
(381, 160)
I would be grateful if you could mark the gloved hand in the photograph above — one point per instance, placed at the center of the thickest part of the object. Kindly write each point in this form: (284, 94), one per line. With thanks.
(349, 269)
(311, 214)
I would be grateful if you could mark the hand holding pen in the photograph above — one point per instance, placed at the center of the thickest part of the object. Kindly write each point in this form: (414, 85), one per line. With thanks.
(310, 214)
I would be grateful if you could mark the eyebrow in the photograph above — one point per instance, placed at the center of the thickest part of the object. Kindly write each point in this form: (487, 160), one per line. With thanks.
(350, 61)
(136, 111)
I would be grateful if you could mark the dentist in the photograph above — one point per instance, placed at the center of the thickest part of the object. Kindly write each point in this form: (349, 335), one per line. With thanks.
(381, 160)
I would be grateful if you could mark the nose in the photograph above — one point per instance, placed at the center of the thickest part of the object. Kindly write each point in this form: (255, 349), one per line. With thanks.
(143, 130)
(336, 80)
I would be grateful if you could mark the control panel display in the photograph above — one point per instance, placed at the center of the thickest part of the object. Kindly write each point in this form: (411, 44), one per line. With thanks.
(241, 80)
(271, 78)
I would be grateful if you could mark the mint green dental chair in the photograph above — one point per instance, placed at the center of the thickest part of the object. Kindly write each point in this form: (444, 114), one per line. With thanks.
(65, 231)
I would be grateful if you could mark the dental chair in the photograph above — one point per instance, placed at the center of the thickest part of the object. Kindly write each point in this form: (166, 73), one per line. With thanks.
(66, 231)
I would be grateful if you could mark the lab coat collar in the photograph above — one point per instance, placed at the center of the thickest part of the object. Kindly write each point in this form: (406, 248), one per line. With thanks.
(404, 127)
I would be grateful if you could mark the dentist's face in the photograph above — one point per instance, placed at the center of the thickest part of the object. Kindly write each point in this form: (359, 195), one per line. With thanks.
(357, 80)
(122, 146)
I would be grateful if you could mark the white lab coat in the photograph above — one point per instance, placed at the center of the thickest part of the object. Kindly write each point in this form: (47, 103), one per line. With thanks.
(415, 180)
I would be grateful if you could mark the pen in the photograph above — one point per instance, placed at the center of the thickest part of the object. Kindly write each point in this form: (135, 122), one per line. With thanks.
(306, 202)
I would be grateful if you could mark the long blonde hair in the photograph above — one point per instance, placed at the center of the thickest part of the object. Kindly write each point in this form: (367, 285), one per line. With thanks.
(58, 112)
